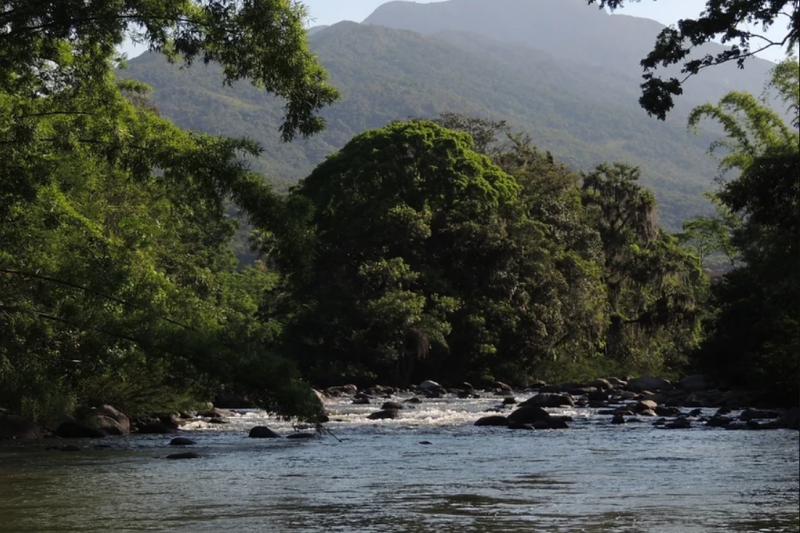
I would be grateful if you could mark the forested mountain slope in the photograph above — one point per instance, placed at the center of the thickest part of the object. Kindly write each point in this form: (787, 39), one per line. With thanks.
(580, 114)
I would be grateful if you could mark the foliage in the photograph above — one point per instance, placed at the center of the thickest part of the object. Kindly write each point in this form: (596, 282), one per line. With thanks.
(755, 337)
(721, 20)
(117, 281)
(428, 254)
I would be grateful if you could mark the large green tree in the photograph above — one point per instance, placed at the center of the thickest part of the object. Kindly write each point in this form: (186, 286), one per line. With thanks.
(740, 24)
(755, 337)
(116, 275)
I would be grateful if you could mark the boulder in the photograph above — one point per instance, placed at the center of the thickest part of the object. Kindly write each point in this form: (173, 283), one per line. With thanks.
(218, 421)
(215, 413)
(117, 416)
(14, 427)
(392, 405)
(538, 384)
(509, 400)
(74, 430)
(694, 383)
(553, 423)
(494, 420)
(528, 415)
(107, 425)
(667, 411)
(361, 401)
(549, 399)
(413, 400)
(618, 419)
(263, 432)
(342, 390)
(718, 421)
(384, 414)
(617, 383)
(679, 423)
(645, 405)
(520, 426)
(181, 441)
(429, 385)
(648, 383)
(602, 384)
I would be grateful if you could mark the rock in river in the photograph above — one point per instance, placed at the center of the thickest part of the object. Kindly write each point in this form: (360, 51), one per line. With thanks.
(494, 420)
(74, 430)
(384, 414)
(263, 432)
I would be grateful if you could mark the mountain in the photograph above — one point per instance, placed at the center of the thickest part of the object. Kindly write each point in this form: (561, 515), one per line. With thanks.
(584, 114)
(572, 32)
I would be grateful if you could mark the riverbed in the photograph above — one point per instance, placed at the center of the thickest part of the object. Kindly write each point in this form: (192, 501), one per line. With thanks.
(429, 470)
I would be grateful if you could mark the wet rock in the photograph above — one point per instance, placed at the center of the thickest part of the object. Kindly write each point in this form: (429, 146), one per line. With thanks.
(724, 410)
(606, 412)
(617, 383)
(181, 441)
(647, 412)
(528, 415)
(660, 422)
(184, 455)
(679, 423)
(503, 389)
(302, 436)
(384, 414)
(517, 425)
(413, 400)
(342, 390)
(618, 419)
(392, 405)
(671, 411)
(649, 383)
(15, 427)
(718, 421)
(548, 399)
(601, 384)
(627, 395)
(694, 413)
(361, 401)
(465, 394)
(509, 400)
(736, 425)
(645, 405)
(218, 421)
(74, 430)
(552, 423)
(425, 442)
(753, 414)
(429, 385)
(538, 384)
(494, 420)
(263, 432)
(215, 413)
(598, 395)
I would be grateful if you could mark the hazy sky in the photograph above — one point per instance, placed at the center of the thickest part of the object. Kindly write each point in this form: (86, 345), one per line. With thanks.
(666, 11)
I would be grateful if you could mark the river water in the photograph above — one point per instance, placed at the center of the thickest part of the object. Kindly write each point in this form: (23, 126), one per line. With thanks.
(430, 470)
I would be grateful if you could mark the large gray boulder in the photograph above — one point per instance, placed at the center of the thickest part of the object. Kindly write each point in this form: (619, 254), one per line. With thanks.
(549, 399)
(648, 383)
(14, 427)
(107, 425)
(120, 418)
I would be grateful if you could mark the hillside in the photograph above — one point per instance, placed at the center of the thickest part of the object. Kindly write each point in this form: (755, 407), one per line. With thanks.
(573, 33)
(579, 114)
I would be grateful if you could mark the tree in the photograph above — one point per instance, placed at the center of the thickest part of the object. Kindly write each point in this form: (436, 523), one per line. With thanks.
(51, 48)
(654, 288)
(754, 339)
(117, 281)
(721, 19)
(710, 236)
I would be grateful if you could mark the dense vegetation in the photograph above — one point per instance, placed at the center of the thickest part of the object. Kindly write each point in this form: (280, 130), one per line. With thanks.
(448, 248)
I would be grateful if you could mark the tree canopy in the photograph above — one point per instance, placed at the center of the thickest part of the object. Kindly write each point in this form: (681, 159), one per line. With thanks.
(737, 23)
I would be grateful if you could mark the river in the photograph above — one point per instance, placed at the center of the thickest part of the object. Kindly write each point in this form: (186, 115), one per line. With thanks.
(430, 470)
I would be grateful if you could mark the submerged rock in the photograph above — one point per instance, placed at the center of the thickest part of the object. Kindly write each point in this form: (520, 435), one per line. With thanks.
(302, 436)
(184, 455)
(181, 441)
(528, 414)
(549, 399)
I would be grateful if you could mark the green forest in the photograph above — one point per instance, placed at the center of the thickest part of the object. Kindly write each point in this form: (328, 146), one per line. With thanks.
(453, 248)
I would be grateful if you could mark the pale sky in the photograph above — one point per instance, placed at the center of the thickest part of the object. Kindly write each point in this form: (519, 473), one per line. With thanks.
(327, 12)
